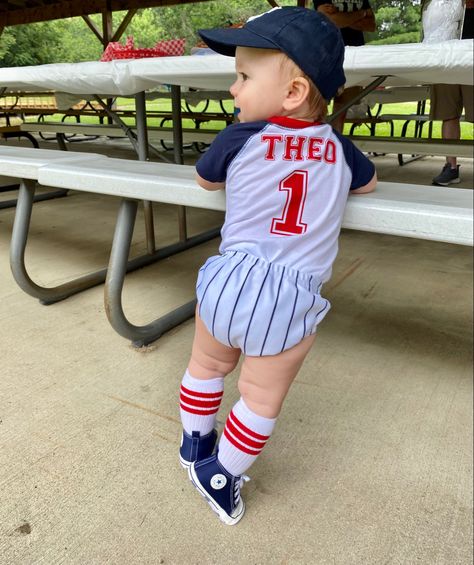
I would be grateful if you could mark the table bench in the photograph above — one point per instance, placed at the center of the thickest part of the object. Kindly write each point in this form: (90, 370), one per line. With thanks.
(164, 135)
(414, 145)
(426, 212)
(6, 132)
(17, 163)
(155, 134)
(25, 164)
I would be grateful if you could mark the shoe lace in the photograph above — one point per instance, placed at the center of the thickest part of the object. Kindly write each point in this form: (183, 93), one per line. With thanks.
(238, 485)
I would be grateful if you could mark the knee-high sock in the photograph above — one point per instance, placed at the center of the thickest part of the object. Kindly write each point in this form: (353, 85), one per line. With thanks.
(245, 435)
(199, 401)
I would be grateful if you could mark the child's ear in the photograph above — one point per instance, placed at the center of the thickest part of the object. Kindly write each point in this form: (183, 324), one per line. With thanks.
(298, 92)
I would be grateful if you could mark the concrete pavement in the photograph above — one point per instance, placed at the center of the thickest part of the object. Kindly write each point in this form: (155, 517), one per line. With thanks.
(371, 459)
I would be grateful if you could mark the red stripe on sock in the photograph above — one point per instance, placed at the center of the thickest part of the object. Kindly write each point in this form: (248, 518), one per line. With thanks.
(200, 403)
(247, 430)
(243, 438)
(217, 394)
(197, 411)
(238, 445)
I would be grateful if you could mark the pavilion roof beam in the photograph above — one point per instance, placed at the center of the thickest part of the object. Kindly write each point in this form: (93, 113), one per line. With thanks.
(123, 26)
(93, 28)
(119, 31)
(69, 9)
(107, 24)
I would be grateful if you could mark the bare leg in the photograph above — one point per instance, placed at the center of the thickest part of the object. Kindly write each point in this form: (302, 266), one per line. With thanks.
(201, 392)
(209, 357)
(264, 381)
(451, 129)
(263, 385)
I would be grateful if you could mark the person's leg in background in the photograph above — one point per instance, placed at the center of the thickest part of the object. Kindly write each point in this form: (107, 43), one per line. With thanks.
(446, 105)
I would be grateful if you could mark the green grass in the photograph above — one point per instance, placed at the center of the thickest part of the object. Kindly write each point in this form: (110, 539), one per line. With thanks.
(467, 130)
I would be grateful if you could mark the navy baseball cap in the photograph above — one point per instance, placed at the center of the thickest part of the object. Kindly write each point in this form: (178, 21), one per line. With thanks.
(306, 36)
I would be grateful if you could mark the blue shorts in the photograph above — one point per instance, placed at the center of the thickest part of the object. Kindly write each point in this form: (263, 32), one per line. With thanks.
(259, 307)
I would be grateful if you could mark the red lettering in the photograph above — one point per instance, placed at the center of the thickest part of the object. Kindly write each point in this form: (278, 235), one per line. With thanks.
(292, 146)
(330, 152)
(271, 139)
(314, 148)
(291, 221)
(299, 148)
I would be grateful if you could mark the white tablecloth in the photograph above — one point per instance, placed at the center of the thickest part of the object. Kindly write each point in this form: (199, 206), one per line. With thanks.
(408, 65)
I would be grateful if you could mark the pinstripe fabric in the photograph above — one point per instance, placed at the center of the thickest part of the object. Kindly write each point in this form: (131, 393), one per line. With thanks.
(262, 308)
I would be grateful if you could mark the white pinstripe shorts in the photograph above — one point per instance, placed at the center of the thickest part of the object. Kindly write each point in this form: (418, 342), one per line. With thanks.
(259, 307)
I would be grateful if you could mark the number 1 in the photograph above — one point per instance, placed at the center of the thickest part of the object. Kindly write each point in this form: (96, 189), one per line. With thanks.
(296, 187)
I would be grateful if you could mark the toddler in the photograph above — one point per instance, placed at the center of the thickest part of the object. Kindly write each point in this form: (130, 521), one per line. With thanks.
(287, 176)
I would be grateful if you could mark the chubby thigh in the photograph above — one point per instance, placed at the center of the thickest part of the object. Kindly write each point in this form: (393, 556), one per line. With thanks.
(263, 382)
(258, 307)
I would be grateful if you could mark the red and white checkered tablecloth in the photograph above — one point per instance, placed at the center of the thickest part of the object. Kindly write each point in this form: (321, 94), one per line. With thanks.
(166, 48)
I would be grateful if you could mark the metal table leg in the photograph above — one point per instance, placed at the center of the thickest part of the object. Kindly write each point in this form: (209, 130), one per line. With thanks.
(142, 149)
(140, 335)
(178, 151)
(119, 264)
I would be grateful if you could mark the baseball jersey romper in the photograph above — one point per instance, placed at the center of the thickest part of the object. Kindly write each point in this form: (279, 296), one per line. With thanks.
(287, 183)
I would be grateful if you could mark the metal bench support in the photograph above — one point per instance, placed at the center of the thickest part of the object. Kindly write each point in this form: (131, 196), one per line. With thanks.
(139, 335)
(50, 295)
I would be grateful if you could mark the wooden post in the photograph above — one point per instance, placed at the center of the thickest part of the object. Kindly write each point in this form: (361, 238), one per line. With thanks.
(107, 25)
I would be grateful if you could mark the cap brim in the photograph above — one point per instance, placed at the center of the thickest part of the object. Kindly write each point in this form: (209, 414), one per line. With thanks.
(224, 41)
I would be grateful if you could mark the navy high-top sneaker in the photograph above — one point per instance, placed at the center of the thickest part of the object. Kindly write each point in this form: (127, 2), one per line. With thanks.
(195, 448)
(219, 488)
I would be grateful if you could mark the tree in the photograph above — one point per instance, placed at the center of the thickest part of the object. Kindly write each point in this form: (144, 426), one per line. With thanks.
(145, 28)
(28, 45)
(398, 21)
(6, 42)
(184, 20)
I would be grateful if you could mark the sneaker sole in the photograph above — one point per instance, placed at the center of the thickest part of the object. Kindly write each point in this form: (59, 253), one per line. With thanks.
(454, 181)
(221, 513)
(184, 464)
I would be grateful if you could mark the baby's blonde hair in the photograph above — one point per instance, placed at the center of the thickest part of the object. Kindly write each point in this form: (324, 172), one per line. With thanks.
(318, 106)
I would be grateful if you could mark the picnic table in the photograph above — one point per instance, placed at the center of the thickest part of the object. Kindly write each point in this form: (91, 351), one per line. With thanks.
(368, 66)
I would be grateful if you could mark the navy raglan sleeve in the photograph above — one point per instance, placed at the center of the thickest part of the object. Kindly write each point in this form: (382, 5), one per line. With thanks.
(213, 165)
(362, 168)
